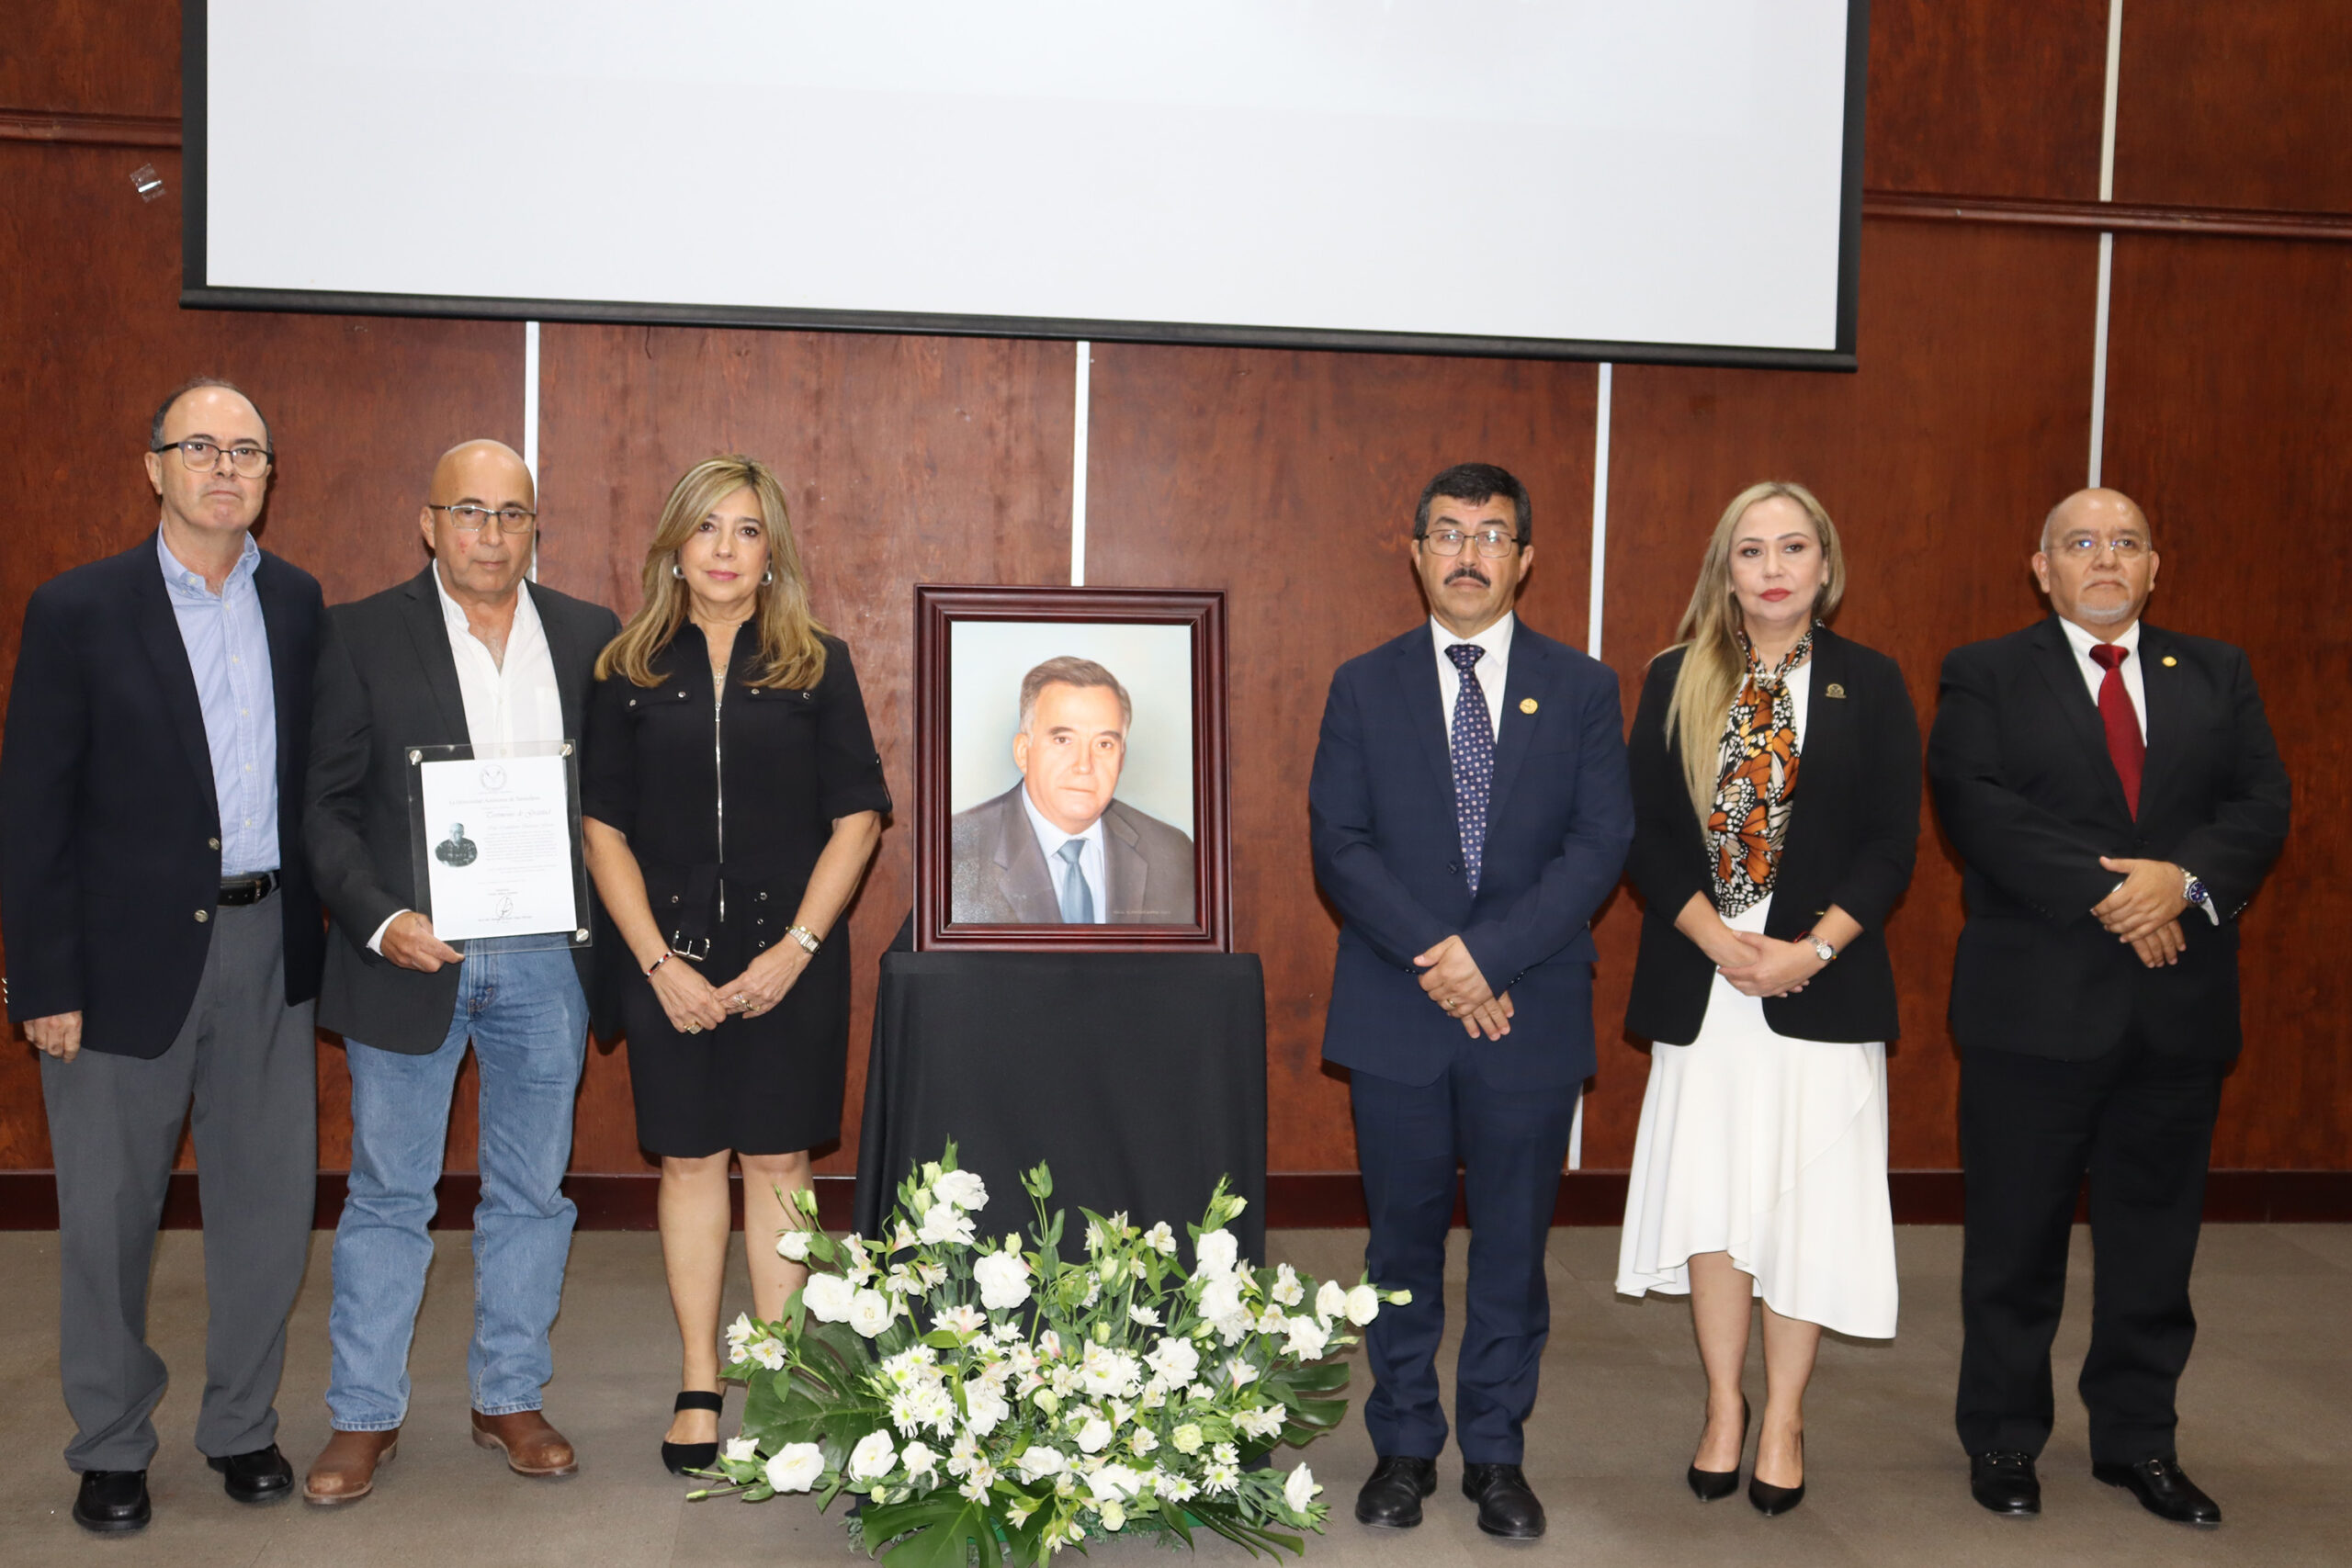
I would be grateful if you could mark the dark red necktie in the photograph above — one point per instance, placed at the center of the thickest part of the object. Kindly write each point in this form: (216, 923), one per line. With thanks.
(2122, 721)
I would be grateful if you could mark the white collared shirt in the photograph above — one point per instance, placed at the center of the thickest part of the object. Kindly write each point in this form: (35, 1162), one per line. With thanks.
(1492, 671)
(1051, 838)
(2094, 676)
(508, 702)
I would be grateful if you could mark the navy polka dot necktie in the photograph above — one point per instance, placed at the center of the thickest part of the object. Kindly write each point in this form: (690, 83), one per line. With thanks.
(1474, 759)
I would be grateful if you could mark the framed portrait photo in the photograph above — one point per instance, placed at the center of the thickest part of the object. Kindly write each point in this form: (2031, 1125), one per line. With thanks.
(1071, 788)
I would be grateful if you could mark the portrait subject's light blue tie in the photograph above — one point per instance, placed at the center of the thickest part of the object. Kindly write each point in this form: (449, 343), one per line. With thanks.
(1474, 758)
(1078, 899)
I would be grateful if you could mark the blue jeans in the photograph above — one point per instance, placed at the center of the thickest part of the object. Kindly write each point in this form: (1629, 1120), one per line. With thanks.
(527, 1019)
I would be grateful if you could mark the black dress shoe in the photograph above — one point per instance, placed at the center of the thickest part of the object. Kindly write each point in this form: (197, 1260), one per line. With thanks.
(1506, 1506)
(2164, 1489)
(1767, 1499)
(112, 1501)
(682, 1458)
(2003, 1480)
(1715, 1485)
(261, 1476)
(1392, 1498)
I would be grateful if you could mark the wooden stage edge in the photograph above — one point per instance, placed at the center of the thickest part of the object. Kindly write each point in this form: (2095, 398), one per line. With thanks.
(1294, 1200)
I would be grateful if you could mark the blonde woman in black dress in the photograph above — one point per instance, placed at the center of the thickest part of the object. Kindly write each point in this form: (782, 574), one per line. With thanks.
(732, 799)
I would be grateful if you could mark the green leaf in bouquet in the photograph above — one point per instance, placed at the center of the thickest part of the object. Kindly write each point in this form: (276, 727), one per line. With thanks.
(937, 1531)
(1318, 1377)
(764, 1397)
(1038, 1182)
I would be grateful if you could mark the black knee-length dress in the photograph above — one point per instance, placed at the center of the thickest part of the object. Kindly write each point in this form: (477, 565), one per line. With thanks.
(727, 802)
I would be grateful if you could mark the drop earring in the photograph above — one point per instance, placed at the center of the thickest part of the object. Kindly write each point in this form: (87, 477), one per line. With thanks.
(676, 572)
(768, 576)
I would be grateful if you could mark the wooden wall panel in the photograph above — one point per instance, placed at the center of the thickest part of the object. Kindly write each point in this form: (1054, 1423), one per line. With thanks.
(2237, 104)
(1288, 480)
(906, 460)
(1986, 99)
(123, 57)
(1937, 460)
(2227, 401)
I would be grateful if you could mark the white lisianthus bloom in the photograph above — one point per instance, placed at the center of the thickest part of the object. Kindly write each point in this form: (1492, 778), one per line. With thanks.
(1300, 1489)
(1107, 1371)
(1172, 1362)
(1114, 1481)
(945, 1226)
(961, 1319)
(1095, 1434)
(1003, 1279)
(1160, 1239)
(1330, 1302)
(1186, 1437)
(870, 1313)
(1309, 1337)
(769, 1353)
(919, 1460)
(795, 1244)
(1216, 1253)
(740, 1333)
(873, 1457)
(827, 1297)
(1287, 1290)
(961, 1188)
(1142, 1315)
(741, 1450)
(1221, 1299)
(795, 1467)
(984, 1407)
(1364, 1305)
(1038, 1461)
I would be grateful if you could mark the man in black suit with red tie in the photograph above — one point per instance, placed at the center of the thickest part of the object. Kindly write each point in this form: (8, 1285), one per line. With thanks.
(2117, 796)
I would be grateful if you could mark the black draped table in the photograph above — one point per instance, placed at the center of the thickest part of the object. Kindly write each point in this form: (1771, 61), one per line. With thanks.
(1139, 1077)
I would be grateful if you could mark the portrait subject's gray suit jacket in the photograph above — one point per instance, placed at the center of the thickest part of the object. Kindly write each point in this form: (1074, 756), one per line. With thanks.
(997, 876)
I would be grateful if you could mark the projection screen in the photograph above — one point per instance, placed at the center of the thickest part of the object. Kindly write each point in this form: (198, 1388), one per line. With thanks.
(1668, 180)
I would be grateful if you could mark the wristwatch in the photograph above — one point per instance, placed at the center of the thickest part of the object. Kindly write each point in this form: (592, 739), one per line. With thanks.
(1821, 948)
(805, 937)
(2195, 892)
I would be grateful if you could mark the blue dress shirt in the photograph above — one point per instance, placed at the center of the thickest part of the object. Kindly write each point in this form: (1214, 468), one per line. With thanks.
(228, 651)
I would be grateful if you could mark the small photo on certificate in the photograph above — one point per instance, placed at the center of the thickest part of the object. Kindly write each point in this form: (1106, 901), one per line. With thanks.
(502, 861)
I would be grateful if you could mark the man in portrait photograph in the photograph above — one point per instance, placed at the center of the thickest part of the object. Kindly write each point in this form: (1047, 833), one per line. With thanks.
(1058, 848)
(456, 848)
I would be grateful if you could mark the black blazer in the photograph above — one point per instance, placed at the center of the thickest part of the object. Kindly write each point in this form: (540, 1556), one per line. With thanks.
(1853, 834)
(109, 828)
(386, 681)
(2026, 790)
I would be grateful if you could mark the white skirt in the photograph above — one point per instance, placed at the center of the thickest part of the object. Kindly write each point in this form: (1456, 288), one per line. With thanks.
(1774, 1151)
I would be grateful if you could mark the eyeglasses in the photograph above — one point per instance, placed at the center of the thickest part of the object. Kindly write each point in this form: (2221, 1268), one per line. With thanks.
(1493, 543)
(2123, 547)
(468, 518)
(202, 456)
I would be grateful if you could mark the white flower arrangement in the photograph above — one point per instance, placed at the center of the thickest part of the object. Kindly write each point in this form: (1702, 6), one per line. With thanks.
(980, 1393)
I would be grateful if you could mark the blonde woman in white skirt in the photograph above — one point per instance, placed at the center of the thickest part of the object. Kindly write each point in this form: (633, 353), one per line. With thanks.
(1776, 787)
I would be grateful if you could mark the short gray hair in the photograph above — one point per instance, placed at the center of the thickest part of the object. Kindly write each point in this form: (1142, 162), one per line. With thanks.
(1070, 671)
(164, 408)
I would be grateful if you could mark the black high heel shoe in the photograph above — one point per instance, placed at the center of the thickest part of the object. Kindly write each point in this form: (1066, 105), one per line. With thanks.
(682, 1458)
(1715, 1485)
(1769, 1499)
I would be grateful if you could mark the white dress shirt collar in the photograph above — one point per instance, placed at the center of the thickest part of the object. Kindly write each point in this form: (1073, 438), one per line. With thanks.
(510, 701)
(1493, 669)
(1051, 841)
(2094, 675)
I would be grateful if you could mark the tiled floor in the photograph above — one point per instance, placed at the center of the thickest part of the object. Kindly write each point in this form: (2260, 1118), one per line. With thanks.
(2266, 1428)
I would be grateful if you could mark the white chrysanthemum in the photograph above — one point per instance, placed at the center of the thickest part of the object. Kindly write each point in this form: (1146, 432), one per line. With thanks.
(1220, 1477)
(1308, 1338)
(1142, 1315)
(1364, 1305)
(827, 1297)
(795, 1467)
(1003, 1279)
(1300, 1489)
(945, 1226)
(870, 1313)
(795, 1244)
(1160, 1239)
(935, 1408)
(873, 1457)
(1215, 1253)
(1038, 1461)
(1330, 1302)
(741, 1450)
(962, 1188)
(1005, 1333)
(1173, 1488)
(1287, 1290)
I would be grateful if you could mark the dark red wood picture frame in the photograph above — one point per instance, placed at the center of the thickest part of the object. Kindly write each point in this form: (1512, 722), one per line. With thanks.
(937, 609)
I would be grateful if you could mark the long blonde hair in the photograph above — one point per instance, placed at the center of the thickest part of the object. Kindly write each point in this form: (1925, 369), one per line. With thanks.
(790, 652)
(1713, 660)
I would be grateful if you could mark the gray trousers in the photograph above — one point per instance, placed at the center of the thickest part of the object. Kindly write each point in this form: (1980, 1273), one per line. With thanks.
(248, 1064)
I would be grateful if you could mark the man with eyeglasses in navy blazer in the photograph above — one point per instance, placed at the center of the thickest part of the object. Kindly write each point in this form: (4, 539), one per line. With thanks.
(1470, 811)
(164, 945)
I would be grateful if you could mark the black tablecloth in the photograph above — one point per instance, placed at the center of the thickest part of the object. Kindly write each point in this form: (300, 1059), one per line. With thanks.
(1139, 1077)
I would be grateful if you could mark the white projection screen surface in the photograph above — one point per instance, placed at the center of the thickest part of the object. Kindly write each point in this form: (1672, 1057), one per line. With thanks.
(1665, 180)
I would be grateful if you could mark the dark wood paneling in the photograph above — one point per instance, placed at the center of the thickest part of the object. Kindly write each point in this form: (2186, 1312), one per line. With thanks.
(1966, 421)
(2228, 397)
(2116, 217)
(1288, 480)
(906, 460)
(1999, 100)
(2237, 104)
(119, 57)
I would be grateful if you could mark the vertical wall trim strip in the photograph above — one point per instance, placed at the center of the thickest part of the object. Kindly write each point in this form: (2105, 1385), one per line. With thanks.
(531, 422)
(1085, 357)
(1599, 578)
(2106, 240)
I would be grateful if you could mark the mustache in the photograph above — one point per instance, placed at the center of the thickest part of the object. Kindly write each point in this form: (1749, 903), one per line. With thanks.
(1468, 573)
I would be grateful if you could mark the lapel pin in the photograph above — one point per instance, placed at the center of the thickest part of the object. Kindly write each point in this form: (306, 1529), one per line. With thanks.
(2170, 661)
(1832, 690)
(1527, 705)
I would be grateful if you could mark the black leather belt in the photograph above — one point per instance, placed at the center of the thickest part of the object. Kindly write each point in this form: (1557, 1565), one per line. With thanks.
(236, 890)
